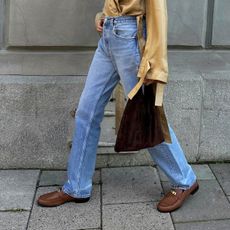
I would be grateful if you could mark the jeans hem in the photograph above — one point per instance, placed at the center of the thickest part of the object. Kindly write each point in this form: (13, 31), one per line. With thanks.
(183, 187)
(76, 195)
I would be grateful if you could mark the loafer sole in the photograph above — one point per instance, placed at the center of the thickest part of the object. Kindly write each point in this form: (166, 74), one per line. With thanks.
(55, 205)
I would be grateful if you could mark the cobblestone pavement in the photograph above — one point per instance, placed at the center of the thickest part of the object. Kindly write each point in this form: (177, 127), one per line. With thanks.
(123, 198)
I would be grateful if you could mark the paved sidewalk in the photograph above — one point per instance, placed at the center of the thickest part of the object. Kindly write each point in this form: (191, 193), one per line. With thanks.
(123, 198)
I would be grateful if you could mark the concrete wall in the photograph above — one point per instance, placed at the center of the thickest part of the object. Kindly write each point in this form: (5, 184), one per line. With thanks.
(2, 16)
(52, 22)
(187, 22)
(46, 47)
(221, 28)
(71, 23)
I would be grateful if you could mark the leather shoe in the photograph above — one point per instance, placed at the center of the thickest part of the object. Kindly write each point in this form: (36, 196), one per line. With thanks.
(58, 197)
(175, 198)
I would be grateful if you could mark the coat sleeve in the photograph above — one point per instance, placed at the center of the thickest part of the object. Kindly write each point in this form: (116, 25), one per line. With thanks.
(99, 15)
(154, 63)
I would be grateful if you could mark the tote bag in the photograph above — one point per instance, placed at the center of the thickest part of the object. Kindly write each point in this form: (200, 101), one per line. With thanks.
(142, 124)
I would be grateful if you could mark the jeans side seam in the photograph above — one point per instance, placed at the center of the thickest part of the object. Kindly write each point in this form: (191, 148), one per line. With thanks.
(86, 136)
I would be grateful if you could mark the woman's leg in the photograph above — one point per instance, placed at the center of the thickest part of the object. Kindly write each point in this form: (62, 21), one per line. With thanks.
(172, 161)
(101, 80)
(169, 157)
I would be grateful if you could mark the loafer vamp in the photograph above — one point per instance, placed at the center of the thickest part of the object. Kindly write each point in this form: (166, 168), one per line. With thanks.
(170, 199)
(54, 198)
(175, 198)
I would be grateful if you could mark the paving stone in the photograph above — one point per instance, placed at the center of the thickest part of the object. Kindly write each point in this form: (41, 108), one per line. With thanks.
(209, 225)
(222, 172)
(135, 216)
(50, 178)
(130, 184)
(202, 171)
(209, 203)
(71, 216)
(17, 189)
(14, 220)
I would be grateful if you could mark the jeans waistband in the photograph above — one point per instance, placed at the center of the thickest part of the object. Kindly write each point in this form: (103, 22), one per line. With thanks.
(122, 18)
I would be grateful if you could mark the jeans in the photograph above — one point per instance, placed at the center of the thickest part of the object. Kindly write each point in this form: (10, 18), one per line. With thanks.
(116, 59)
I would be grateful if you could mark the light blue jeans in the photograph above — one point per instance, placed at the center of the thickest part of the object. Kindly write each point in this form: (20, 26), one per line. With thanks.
(116, 59)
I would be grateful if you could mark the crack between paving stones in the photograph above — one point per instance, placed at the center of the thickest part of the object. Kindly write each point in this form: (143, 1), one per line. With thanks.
(132, 202)
(226, 195)
(200, 221)
(33, 200)
(101, 205)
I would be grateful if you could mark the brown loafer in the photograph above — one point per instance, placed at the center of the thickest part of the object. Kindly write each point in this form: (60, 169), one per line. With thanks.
(58, 197)
(175, 198)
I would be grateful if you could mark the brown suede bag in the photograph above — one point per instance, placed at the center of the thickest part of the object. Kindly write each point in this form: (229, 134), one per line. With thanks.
(142, 124)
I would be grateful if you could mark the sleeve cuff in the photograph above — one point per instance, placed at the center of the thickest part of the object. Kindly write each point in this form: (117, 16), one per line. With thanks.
(146, 71)
(99, 15)
(159, 94)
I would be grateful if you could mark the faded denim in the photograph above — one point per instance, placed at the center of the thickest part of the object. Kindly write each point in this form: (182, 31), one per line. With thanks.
(116, 59)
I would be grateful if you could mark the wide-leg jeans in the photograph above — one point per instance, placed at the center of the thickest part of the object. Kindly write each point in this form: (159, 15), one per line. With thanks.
(116, 58)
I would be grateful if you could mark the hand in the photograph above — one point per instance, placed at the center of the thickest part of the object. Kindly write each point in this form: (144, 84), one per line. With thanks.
(99, 24)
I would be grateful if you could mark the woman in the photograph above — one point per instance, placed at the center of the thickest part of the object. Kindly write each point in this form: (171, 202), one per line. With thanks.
(133, 45)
